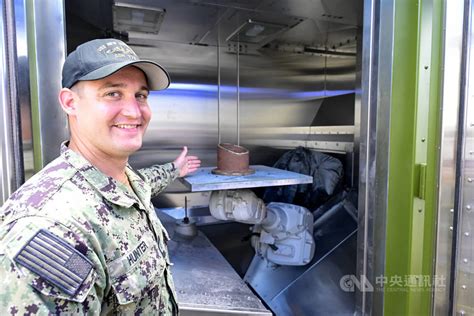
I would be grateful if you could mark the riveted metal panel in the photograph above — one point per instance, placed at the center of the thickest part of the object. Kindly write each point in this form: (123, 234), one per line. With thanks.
(450, 62)
(462, 285)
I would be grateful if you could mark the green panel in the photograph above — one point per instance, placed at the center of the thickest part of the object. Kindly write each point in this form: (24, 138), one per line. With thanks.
(401, 184)
(433, 154)
(412, 192)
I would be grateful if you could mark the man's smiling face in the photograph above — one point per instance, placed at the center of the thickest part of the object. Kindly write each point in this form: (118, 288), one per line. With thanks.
(112, 113)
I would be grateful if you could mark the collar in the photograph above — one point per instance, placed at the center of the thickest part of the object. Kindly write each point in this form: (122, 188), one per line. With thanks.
(113, 191)
(140, 187)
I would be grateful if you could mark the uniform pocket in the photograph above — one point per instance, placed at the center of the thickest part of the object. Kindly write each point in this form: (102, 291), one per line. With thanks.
(138, 272)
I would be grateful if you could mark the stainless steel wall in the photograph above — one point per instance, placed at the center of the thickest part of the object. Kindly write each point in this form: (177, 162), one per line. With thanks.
(279, 99)
(228, 87)
(264, 97)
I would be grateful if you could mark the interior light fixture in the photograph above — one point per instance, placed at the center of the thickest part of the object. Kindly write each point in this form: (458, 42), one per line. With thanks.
(137, 18)
(256, 32)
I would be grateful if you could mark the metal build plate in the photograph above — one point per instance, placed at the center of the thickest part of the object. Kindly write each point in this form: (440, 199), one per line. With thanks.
(204, 180)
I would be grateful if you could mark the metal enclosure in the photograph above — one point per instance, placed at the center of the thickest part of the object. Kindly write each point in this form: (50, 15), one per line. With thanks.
(316, 76)
(293, 85)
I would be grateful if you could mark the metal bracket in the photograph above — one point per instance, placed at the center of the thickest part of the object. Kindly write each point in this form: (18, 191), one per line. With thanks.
(421, 171)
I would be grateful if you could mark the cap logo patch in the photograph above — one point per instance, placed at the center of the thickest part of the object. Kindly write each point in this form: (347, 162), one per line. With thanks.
(56, 261)
(117, 50)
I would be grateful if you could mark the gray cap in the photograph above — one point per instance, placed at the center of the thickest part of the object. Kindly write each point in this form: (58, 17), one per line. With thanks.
(100, 58)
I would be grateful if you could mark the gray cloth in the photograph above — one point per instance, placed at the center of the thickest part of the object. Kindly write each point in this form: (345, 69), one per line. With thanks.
(326, 171)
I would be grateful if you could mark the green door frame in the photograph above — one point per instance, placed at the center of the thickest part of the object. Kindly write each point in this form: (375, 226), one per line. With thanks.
(412, 198)
(399, 152)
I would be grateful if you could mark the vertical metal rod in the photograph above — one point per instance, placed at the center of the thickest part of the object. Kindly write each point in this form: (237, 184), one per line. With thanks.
(218, 86)
(186, 218)
(238, 92)
(185, 206)
(325, 74)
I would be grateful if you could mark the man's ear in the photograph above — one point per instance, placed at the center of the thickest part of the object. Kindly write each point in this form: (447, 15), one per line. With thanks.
(68, 100)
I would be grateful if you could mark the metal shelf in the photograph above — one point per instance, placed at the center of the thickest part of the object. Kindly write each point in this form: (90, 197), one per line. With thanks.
(206, 284)
(204, 180)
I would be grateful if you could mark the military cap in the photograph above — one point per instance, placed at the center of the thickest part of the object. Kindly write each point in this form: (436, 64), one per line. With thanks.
(100, 58)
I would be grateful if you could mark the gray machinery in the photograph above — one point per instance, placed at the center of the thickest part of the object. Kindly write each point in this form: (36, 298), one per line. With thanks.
(283, 233)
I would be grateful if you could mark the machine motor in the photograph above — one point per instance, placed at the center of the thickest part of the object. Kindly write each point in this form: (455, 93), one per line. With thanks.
(283, 233)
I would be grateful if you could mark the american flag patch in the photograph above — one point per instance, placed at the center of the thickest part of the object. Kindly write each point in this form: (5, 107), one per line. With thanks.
(56, 261)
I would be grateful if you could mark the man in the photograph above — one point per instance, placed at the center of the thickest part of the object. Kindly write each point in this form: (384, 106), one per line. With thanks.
(81, 236)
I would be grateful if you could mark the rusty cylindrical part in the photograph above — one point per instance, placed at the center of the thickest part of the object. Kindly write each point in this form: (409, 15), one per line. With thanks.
(232, 160)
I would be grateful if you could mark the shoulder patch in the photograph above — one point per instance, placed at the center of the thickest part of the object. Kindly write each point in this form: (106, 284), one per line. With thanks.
(55, 260)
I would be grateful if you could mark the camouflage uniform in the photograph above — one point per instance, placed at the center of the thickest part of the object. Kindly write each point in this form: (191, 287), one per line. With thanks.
(100, 247)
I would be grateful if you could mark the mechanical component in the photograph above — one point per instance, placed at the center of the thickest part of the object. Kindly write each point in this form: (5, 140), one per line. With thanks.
(186, 227)
(238, 205)
(283, 233)
(286, 235)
